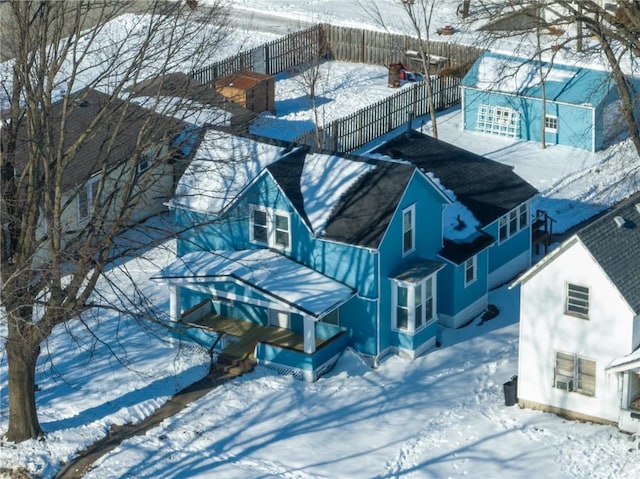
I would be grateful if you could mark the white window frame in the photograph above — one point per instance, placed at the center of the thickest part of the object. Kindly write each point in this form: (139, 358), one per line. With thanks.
(471, 265)
(577, 298)
(572, 373)
(551, 123)
(513, 222)
(498, 120)
(88, 191)
(426, 302)
(411, 229)
(144, 163)
(271, 227)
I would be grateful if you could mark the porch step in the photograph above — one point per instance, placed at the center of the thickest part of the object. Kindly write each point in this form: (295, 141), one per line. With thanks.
(233, 365)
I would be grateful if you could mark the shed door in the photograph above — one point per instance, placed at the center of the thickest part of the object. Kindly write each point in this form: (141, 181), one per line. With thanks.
(498, 120)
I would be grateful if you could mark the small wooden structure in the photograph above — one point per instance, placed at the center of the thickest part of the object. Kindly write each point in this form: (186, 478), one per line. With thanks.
(254, 91)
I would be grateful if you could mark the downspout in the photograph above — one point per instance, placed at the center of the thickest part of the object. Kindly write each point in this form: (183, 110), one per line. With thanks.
(463, 124)
(593, 130)
(375, 358)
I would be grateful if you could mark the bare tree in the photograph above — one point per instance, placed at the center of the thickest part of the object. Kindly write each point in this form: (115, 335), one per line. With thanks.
(79, 162)
(617, 32)
(311, 75)
(613, 28)
(418, 14)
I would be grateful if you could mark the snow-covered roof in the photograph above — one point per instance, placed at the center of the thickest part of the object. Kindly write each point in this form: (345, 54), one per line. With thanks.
(458, 222)
(625, 363)
(522, 76)
(271, 273)
(324, 180)
(222, 168)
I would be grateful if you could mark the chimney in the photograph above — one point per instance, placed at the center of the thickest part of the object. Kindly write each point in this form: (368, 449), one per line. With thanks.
(620, 221)
(409, 121)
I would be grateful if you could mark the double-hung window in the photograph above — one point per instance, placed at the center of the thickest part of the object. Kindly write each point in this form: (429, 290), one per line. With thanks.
(470, 267)
(408, 229)
(574, 373)
(513, 222)
(86, 198)
(413, 304)
(577, 301)
(270, 227)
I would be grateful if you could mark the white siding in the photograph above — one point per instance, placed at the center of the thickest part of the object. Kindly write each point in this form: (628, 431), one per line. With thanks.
(545, 329)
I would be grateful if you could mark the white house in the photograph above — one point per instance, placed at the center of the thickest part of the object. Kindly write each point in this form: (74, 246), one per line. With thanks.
(580, 325)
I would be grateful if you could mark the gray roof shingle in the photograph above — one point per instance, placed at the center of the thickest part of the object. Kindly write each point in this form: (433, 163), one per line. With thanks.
(487, 188)
(617, 248)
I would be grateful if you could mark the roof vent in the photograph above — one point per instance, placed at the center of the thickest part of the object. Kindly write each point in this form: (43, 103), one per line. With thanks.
(80, 102)
(620, 221)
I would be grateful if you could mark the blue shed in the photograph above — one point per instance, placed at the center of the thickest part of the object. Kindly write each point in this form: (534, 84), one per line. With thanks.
(574, 106)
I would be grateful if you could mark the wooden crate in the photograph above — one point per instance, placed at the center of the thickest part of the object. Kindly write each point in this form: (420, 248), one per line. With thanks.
(254, 91)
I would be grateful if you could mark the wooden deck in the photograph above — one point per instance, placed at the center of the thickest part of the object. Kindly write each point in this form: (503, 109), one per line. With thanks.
(250, 334)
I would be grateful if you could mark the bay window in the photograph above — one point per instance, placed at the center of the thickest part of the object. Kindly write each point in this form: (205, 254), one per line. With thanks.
(413, 304)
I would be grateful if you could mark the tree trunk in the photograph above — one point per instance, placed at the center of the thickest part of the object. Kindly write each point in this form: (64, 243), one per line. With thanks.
(465, 8)
(23, 418)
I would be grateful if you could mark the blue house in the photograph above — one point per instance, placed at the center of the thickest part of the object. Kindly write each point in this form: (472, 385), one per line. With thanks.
(290, 255)
(503, 95)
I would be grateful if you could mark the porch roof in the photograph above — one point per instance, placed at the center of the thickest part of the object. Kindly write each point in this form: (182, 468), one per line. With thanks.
(266, 271)
(625, 363)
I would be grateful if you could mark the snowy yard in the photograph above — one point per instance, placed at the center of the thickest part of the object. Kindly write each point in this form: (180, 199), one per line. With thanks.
(439, 416)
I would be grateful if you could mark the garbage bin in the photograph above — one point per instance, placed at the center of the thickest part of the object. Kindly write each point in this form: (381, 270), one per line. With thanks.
(511, 391)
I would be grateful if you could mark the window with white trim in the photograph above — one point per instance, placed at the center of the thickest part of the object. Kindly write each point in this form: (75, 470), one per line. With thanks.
(577, 301)
(86, 198)
(513, 222)
(408, 229)
(269, 227)
(498, 120)
(551, 123)
(574, 373)
(413, 304)
(470, 270)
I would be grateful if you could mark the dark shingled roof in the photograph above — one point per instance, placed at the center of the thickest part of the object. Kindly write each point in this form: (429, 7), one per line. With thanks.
(364, 212)
(362, 215)
(617, 248)
(83, 106)
(459, 252)
(287, 173)
(487, 188)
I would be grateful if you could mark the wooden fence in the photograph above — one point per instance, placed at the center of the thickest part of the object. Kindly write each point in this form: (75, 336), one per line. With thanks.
(271, 58)
(381, 48)
(411, 101)
(338, 43)
(360, 46)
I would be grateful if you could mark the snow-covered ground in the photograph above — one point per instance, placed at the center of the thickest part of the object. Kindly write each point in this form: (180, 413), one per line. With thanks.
(440, 416)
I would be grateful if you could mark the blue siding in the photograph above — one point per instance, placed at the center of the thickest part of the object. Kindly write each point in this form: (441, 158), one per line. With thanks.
(575, 122)
(413, 342)
(453, 295)
(428, 241)
(502, 253)
(351, 265)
